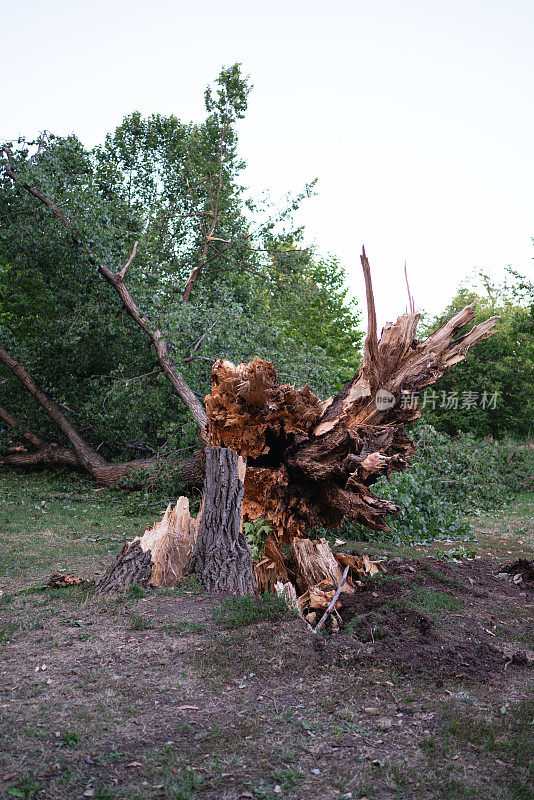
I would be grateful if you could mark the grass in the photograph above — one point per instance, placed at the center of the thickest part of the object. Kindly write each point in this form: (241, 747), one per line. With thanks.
(46, 527)
(237, 612)
(139, 623)
(220, 706)
(432, 601)
(505, 739)
(184, 628)
(506, 532)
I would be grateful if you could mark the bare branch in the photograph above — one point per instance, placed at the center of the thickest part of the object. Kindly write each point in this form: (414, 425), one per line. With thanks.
(122, 273)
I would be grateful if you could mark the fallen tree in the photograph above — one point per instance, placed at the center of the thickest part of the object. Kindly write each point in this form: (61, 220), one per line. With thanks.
(312, 463)
(80, 455)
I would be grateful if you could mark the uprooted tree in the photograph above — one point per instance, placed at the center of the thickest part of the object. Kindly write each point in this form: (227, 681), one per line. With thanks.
(303, 461)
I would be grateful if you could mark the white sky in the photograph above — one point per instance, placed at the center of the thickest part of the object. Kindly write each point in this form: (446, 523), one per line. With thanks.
(416, 116)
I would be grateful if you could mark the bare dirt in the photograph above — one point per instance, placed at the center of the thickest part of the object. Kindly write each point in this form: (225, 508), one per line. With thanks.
(148, 697)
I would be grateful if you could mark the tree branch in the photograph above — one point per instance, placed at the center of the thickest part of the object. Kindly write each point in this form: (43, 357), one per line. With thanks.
(176, 380)
(87, 457)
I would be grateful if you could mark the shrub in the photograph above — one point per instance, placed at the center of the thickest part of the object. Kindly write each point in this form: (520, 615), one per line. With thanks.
(447, 479)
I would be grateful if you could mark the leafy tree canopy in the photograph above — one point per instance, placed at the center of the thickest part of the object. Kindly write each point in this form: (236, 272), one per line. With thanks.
(503, 364)
(254, 287)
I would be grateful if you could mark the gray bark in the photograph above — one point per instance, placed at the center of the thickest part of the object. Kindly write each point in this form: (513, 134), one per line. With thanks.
(132, 565)
(221, 559)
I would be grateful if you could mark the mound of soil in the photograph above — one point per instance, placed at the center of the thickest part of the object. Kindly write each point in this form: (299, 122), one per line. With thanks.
(521, 572)
(429, 617)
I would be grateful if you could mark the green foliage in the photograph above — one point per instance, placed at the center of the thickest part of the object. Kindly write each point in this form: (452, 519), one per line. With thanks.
(154, 180)
(239, 611)
(135, 592)
(504, 363)
(70, 739)
(256, 533)
(139, 623)
(447, 479)
(457, 553)
(433, 601)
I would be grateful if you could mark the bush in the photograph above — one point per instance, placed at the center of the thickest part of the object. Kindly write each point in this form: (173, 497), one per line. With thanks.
(447, 479)
(239, 611)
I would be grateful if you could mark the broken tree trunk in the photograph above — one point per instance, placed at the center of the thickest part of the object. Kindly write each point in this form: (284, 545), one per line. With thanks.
(44, 452)
(310, 462)
(313, 463)
(158, 558)
(221, 558)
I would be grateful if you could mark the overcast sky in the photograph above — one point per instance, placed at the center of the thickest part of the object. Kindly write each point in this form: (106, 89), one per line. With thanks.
(417, 117)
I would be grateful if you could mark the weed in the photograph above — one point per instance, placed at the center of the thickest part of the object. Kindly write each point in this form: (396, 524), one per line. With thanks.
(26, 788)
(70, 739)
(239, 611)
(139, 623)
(135, 592)
(457, 553)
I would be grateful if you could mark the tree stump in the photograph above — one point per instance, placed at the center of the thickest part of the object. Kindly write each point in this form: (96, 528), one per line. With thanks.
(221, 558)
(158, 558)
(132, 565)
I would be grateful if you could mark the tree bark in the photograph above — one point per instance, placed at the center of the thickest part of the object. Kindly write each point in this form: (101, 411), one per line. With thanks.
(132, 566)
(221, 558)
(159, 557)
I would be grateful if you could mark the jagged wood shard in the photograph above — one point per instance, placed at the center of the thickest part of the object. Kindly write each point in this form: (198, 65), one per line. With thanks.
(311, 462)
(159, 557)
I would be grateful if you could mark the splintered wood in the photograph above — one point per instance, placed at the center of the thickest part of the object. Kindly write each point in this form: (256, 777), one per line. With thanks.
(313, 463)
(319, 574)
(159, 557)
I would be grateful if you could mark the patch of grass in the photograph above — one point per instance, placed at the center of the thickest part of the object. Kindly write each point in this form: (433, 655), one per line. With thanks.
(184, 786)
(433, 601)
(509, 737)
(437, 575)
(139, 623)
(239, 611)
(42, 510)
(70, 739)
(135, 592)
(7, 633)
(187, 586)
